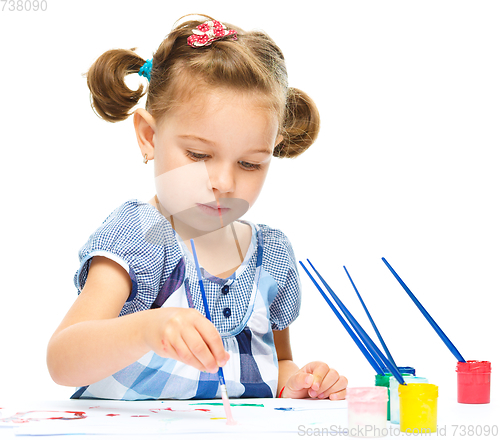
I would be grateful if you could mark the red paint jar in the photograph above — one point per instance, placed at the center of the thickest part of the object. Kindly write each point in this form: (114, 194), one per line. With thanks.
(473, 381)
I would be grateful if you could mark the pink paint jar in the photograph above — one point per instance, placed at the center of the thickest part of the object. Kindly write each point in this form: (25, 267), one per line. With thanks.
(367, 411)
(473, 381)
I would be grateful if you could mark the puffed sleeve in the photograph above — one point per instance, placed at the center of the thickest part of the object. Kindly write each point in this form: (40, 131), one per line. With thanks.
(279, 261)
(127, 236)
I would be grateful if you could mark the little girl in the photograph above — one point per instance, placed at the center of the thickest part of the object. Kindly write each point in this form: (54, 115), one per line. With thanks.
(218, 109)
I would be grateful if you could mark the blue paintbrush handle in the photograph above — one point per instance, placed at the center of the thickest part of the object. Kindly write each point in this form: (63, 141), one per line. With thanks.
(431, 321)
(386, 349)
(200, 282)
(374, 350)
(205, 303)
(221, 377)
(365, 352)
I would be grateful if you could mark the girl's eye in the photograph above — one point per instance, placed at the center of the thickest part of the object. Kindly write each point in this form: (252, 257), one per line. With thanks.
(245, 165)
(249, 166)
(196, 156)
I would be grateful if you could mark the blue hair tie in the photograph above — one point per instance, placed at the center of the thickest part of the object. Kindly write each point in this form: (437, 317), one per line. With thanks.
(145, 70)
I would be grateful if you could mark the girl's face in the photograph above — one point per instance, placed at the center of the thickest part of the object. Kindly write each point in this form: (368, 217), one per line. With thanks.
(212, 156)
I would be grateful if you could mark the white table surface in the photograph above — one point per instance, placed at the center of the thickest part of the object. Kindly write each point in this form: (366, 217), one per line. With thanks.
(454, 420)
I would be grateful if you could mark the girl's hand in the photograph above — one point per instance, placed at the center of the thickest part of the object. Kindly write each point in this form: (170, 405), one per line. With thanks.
(317, 380)
(186, 336)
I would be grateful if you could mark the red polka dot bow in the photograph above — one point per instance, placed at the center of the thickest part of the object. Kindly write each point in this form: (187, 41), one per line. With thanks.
(206, 33)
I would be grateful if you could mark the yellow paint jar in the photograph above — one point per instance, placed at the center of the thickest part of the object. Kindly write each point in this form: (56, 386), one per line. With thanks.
(418, 407)
(394, 394)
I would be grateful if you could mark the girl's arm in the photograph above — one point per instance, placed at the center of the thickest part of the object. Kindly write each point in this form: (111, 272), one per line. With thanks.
(92, 342)
(316, 379)
(285, 360)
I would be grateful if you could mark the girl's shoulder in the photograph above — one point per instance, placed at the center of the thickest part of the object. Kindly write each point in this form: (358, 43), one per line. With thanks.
(274, 239)
(133, 227)
(278, 255)
(133, 235)
(278, 260)
(133, 211)
(139, 219)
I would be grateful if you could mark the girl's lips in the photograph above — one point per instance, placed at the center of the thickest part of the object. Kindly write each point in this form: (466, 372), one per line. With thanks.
(212, 210)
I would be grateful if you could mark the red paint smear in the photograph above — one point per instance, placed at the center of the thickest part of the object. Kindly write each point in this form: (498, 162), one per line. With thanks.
(140, 416)
(112, 415)
(19, 417)
(157, 410)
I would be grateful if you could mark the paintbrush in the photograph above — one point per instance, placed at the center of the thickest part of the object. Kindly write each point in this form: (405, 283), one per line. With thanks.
(431, 321)
(370, 345)
(222, 382)
(386, 349)
(360, 345)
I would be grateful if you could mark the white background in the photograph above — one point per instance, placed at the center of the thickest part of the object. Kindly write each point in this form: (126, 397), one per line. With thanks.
(405, 167)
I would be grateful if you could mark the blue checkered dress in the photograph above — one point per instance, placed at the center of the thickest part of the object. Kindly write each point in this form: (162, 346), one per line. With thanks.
(262, 295)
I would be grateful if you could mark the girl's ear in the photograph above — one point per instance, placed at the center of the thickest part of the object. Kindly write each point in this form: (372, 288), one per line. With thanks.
(145, 128)
(279, 139)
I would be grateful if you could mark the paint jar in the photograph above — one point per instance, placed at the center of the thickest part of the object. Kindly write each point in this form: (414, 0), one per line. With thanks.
(366, 411)
(383, 381)
(394, 394)
(418, 408)
(473, 381)
(405, 370)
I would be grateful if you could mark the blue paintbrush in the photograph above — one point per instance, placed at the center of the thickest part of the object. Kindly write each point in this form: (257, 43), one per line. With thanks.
(360, 345)
(222, 382)
(371, 320)
(431, 321)
(374, 350)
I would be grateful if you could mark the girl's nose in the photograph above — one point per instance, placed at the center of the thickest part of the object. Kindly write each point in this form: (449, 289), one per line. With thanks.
(222, 179)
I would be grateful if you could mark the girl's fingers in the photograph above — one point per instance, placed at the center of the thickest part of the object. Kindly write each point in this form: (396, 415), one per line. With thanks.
(338, 396)
(167, 348)
(198, 352)
(320, 371)
(192, 339)
(337, 391)
(213, 341)
(329, 380)
(184, 354)
(300, 381)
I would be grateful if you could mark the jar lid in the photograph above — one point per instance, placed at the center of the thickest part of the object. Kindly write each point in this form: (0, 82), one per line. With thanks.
(474, 367)
(408, 370)
(419, 390)
(367, 393)
(408, 379)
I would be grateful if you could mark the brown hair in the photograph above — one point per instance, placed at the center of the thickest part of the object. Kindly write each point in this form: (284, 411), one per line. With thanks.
(252, 63)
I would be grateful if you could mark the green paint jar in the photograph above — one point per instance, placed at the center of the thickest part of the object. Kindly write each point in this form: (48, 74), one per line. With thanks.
(383, 381)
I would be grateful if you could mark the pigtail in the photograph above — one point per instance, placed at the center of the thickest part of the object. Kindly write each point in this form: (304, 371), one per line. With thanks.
(112, 99)
(301, 126)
